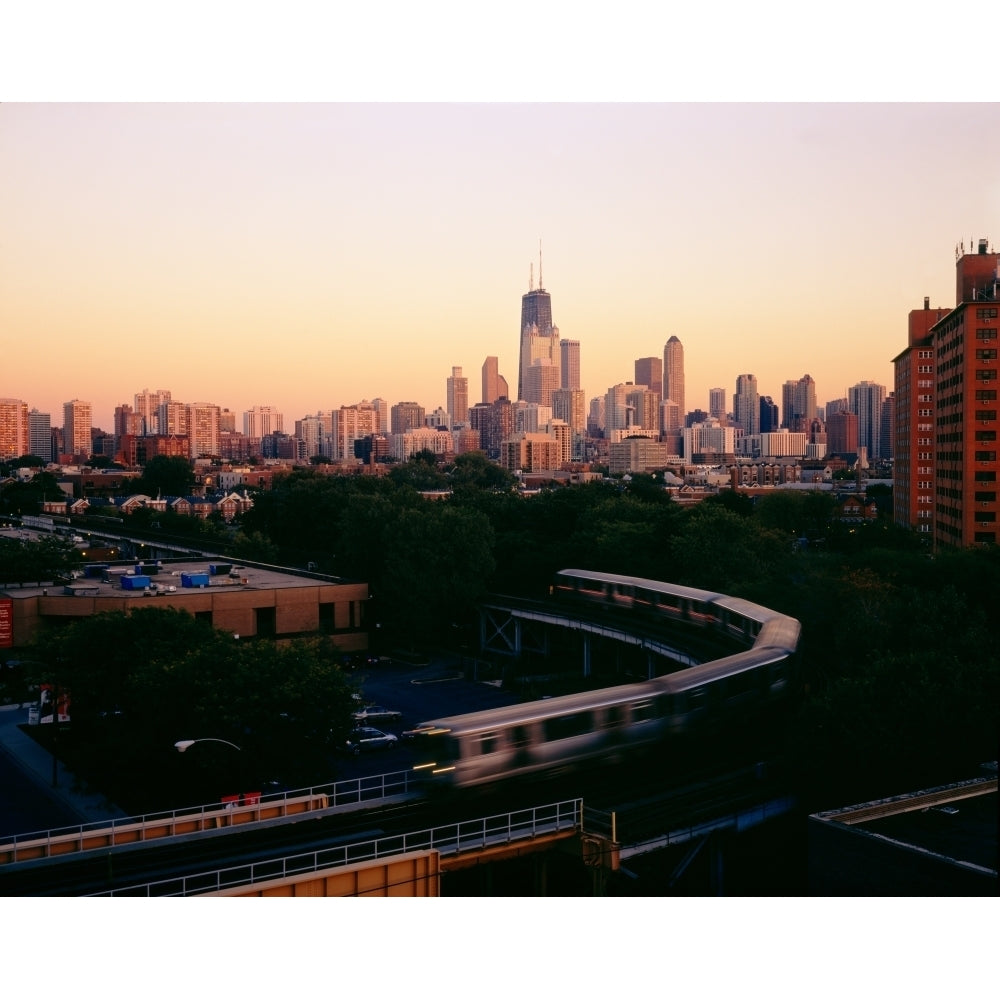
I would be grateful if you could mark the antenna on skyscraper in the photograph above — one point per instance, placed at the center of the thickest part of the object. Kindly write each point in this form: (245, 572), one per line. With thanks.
(531, 276)
(541, 285)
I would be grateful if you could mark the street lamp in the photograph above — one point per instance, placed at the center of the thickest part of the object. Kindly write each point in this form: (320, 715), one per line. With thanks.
(181, 745)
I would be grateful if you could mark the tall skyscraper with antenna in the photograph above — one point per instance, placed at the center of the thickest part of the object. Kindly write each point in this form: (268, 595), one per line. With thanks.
(539, 338)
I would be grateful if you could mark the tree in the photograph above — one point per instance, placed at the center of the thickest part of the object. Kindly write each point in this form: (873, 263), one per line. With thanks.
(474, 471)
(141, 681)
(166, 475)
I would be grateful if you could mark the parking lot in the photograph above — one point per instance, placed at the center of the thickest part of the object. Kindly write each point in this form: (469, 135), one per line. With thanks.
(444, 686)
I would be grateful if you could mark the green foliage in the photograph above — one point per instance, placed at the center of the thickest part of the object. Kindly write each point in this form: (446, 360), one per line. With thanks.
(43, 561)
(142, 681)
(165, 475)
(27, 498)
(419, 473)
(474, 472)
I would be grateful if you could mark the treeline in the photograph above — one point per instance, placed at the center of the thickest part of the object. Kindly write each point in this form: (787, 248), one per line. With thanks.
(899, 645)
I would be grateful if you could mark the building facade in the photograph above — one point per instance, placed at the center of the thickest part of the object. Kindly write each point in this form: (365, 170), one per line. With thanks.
(673, 372)
(77, 424)
(14, 436)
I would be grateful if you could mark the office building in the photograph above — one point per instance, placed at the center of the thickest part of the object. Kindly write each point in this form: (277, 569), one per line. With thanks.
(353, 423)
(77, 424)
(717, 403)
(494, 384)
(768, 415)
(842, 435)
(147, 405)
(866, 399)
(541, 379)
(746, 404)
(570, 405)
(539, 338)
(644, 407)
(673, 372)
(261, 420)
(405, 417)
(457, 386)
(649, 372)
(798, 403)
(569, 364)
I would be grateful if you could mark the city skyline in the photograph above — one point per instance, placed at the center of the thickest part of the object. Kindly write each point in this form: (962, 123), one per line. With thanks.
(277, 255)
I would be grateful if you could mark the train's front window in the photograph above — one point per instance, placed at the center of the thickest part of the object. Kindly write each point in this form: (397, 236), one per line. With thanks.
(434, 749)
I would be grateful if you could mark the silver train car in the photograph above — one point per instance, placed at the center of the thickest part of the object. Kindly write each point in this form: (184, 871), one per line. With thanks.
(470, 750)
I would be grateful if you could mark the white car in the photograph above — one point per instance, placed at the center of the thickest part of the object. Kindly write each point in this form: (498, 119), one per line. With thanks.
(373, 713)
(366, 738)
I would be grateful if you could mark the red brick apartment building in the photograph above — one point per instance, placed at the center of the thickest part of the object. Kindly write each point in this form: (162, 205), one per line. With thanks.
(945, 478)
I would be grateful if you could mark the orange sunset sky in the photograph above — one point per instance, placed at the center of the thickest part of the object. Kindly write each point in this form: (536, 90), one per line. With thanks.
(310, 255)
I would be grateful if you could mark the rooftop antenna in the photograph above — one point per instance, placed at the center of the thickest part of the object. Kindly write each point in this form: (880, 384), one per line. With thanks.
(531, 276)
(541, 286)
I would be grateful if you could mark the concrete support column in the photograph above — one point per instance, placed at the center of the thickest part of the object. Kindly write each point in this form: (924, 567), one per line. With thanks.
(586, 655)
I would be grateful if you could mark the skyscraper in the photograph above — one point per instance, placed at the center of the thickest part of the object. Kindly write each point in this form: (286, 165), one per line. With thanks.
(569, 364)
(866, 399)
(77, 422)
(798, 402)
(673, 372)
(40, 435)
(458, 397)
(539, 338)
(717, 403)
(147, 404)
(262, 420)
(649, 372)
(746, 404)
(494, 384)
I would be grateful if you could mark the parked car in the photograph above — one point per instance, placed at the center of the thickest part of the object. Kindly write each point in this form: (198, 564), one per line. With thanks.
(366, 738)
(372, 713)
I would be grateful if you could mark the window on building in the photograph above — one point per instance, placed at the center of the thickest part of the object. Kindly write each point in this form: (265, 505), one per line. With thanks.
(986, 374)
(986, 414)
(986, 456)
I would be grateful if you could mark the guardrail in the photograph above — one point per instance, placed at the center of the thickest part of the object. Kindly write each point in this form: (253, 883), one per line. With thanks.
(451, 839)
(251, 808)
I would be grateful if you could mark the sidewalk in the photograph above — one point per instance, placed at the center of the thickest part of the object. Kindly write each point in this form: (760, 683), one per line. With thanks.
(36, 762)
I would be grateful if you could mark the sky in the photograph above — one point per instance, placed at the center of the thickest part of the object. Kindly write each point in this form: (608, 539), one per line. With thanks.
(277, 219)
(308, 256)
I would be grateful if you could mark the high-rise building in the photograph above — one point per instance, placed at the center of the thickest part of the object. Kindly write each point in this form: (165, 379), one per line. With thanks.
(539, 338)
(886, 425)
(494, 384)
(569, 364)
(570, 405)
(673, 372)
(261, 420)
(77, 424)
(649, 371)
(717, 403)
(842, 434)
(644, 404)
(960, 408)
(458, 398)
(40, 435)
(768, 415)
(798, 403)
(913, 427)
(595, 416)
(203, 429)
(227, 421)
(616, 412)
(381, 407)
(147, 405)
(14, 437)
(746, 404)
(866, 399)
(354, 423)
(310, 431)
(406, 417)
(541, 379)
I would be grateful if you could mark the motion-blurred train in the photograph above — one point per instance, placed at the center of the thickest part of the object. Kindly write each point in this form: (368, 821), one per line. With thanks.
(537, 737)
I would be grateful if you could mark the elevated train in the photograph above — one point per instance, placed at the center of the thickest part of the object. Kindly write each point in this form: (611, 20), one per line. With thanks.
(537, 737)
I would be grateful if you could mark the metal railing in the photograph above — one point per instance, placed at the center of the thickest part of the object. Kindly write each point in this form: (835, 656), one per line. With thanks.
(453, 838)
(336, 795)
